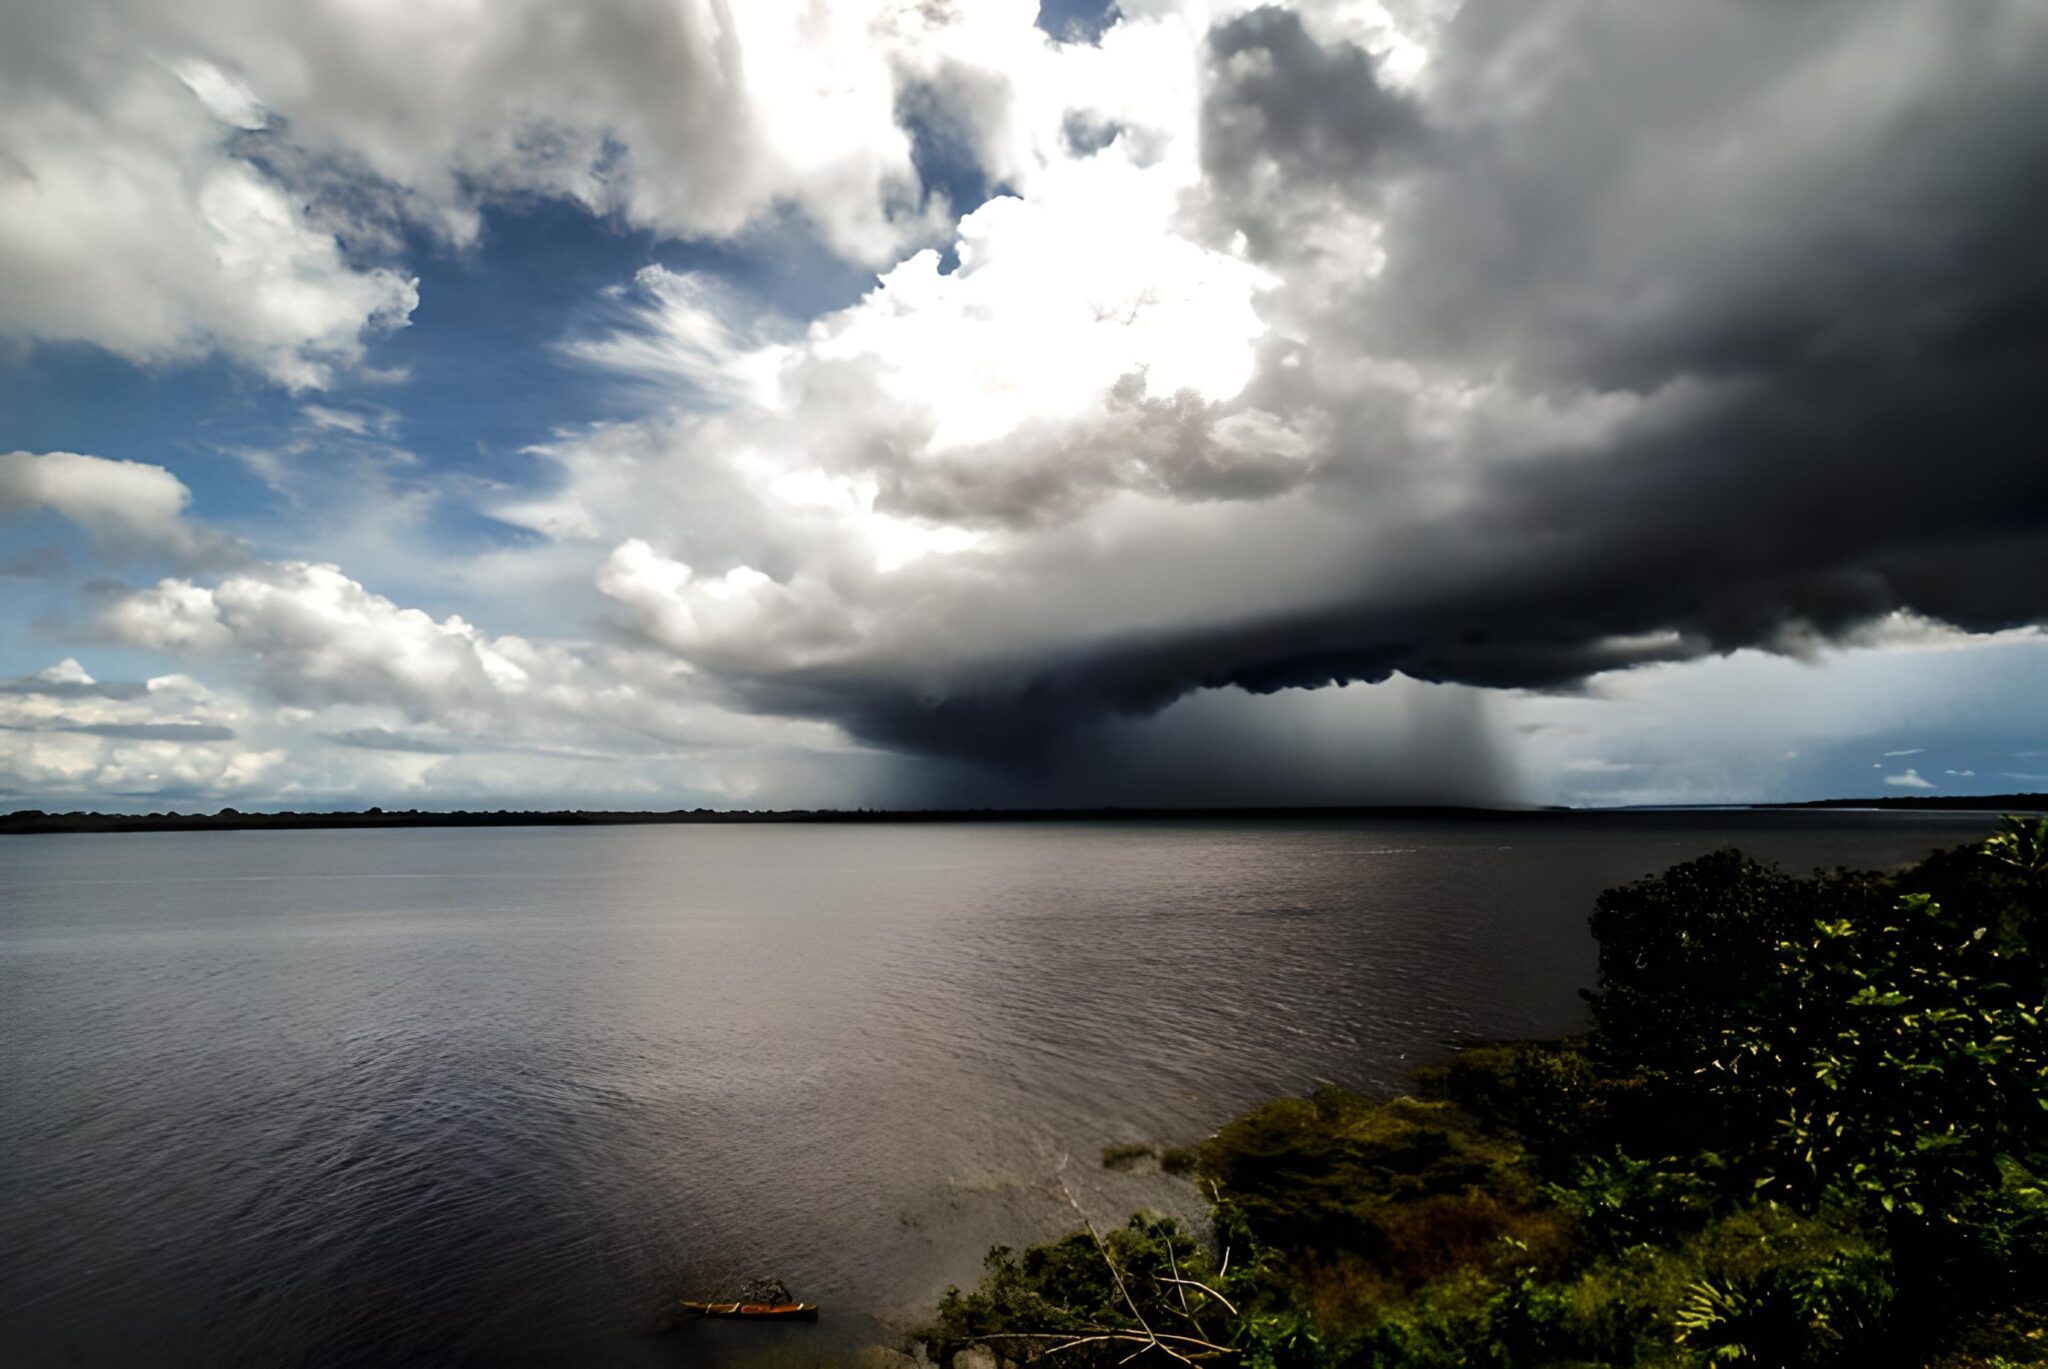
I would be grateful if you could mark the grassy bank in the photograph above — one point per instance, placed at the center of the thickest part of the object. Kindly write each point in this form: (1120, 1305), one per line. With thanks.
(1808, 1127)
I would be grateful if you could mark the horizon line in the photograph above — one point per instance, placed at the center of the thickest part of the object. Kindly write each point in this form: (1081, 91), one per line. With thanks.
(30, 821)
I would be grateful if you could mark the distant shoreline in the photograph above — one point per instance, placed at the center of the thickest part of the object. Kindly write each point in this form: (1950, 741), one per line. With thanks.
(35, 821)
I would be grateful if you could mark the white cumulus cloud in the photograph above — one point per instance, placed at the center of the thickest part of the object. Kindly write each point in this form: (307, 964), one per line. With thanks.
(128, 506)
(128, 220)
(204, 176)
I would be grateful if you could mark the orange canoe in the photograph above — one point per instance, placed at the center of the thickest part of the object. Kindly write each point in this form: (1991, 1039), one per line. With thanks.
(767, 1311)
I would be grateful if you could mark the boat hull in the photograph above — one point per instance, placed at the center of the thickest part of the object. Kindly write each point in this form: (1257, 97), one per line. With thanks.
(755, 1311)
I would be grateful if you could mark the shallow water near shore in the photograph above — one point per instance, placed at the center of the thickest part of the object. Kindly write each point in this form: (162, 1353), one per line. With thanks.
(498, 1096)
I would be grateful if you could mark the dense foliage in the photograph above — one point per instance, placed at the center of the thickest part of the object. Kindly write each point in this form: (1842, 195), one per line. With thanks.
(1809, 1127)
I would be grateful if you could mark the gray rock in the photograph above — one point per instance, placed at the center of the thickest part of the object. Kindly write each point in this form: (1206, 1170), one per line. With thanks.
(882, 1357)
(976, 1357)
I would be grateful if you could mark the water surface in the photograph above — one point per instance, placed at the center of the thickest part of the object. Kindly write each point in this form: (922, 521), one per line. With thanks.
(496, 1096)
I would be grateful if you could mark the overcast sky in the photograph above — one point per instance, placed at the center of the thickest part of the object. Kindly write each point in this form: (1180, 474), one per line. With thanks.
(656, 403)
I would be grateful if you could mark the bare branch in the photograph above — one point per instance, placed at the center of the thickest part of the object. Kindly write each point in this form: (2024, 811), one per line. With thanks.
(1197, 1283)
(1174, 1264)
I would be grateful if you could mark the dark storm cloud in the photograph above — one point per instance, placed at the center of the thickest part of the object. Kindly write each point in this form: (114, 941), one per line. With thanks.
(1800, 512)
(1866, 315)
(1801, 244)
(1289, 125)
(1717, 191)
(1277, 97)
(1415, 746)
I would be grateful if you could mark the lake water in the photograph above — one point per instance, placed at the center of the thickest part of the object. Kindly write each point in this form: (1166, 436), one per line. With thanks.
(497, 1096)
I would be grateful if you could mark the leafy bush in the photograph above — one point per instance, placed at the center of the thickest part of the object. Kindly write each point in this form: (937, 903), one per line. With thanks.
(1894, 1068)
(1550, 1095)
(1617, 1201)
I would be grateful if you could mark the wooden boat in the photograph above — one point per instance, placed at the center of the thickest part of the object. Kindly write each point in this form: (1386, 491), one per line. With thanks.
(764, 1311)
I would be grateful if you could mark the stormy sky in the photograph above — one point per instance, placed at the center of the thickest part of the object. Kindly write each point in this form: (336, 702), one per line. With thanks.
(654, 403)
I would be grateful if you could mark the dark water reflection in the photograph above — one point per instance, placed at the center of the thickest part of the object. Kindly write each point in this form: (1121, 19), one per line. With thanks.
(487, 1096)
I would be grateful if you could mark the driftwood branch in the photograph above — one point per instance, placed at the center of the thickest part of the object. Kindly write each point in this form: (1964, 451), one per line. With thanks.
(1202, 1349)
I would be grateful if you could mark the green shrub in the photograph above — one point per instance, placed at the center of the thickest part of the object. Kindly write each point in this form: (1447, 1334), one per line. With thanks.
(1617, 1202)
(1550, 1095)
(1306, 1171)
(1126, 1156)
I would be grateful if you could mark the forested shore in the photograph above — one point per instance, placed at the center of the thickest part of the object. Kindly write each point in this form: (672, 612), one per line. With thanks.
(1809, 1126)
